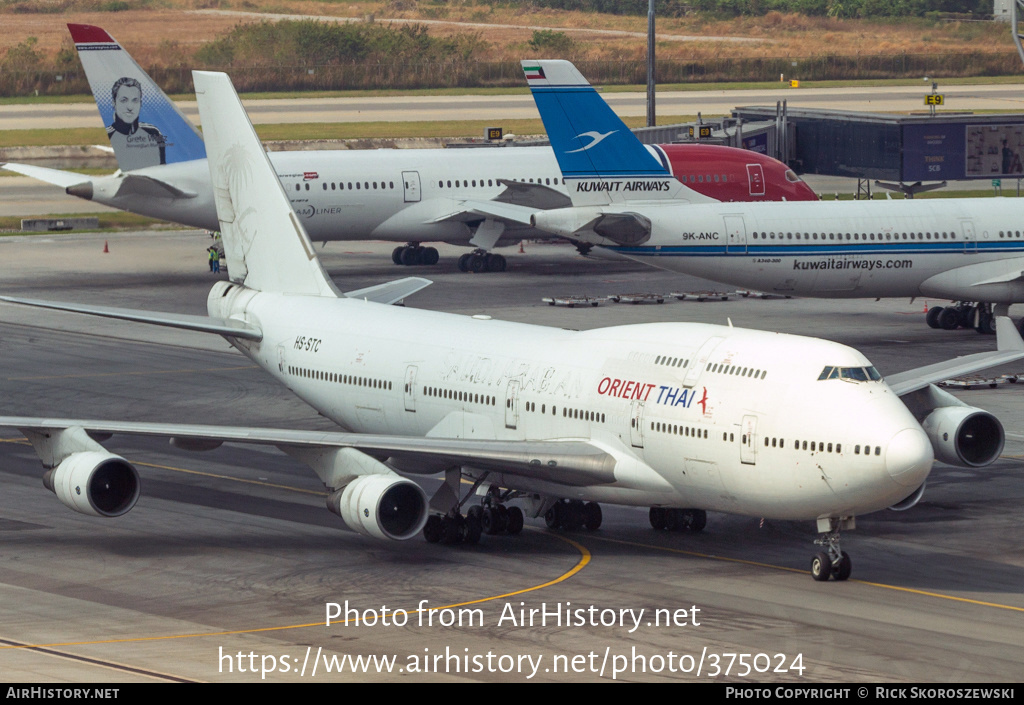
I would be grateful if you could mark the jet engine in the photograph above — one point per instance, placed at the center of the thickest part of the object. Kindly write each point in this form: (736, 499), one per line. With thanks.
(910, 500)
(99, 484)
(964, 435)
(381, 506)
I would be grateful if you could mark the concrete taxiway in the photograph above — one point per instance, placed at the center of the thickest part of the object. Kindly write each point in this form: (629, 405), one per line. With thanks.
(231, 553)
(1001, 97)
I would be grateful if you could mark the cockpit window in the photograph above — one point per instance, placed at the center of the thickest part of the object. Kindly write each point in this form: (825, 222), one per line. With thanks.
(791, 176)
(850, 374)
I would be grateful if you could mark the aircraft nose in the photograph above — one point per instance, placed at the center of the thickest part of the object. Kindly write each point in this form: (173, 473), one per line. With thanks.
(909, 457)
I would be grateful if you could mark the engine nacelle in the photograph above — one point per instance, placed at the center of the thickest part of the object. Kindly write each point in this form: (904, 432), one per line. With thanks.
(909, 501)
(381, 506)
(964, 435)
(95, 483)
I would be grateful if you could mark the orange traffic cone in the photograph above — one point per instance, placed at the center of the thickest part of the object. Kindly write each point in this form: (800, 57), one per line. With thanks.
(106, 247)
(521, 250)
(925, 306)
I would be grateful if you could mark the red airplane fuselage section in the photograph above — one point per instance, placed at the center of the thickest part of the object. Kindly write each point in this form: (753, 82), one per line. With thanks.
(732, 174)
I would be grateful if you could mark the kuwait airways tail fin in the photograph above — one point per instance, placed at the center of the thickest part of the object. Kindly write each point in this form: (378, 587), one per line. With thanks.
(266, 246)
(145, 128)
(601, 160)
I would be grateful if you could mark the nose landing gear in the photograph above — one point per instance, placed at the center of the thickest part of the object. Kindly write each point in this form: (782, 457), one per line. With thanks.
(831, 562)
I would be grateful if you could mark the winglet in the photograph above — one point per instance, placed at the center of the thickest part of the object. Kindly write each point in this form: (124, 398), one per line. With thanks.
(145, 128)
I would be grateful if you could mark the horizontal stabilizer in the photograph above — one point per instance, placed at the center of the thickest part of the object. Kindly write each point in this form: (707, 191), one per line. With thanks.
(203, 324)
(1009, 348)
(64, 179)
(390, 292)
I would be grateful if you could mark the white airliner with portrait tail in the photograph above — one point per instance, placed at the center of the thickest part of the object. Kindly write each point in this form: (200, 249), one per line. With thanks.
(967, 250)
(681, 418)
(407, 196)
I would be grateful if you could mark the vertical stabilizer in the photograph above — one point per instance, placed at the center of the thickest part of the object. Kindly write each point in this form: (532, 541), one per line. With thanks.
(267, 249)
(145, 128)
(601, 160)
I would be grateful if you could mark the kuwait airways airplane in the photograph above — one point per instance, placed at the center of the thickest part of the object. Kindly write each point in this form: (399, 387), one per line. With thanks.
(406, 196)
(968, 250)
(681, 418)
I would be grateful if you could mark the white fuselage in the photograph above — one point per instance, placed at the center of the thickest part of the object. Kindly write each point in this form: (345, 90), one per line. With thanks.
(970, 249)
(698, 415)
(387, 194)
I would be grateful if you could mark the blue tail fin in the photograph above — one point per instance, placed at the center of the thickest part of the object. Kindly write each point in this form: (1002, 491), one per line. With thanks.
(601, 160)
(145, 128)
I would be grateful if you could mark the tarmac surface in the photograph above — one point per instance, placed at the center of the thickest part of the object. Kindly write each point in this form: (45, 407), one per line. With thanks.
(231, 553)
(1000, 97)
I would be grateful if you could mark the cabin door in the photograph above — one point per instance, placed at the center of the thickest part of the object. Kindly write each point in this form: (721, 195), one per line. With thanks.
(410, 388)
(748, 436)
(636, 424)
(735, 234)
(512, 404)
(755, 179)
(970, 237)
(411, 180)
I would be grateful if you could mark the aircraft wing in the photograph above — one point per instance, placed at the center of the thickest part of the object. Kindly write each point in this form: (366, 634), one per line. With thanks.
(1009, 347)
(568, 462)
(64, 179)
(505, 212)
(203, 324)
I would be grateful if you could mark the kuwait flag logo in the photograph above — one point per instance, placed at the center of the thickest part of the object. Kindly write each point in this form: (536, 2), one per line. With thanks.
(533, 73)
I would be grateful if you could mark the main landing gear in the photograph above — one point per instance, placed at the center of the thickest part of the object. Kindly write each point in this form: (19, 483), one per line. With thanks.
(964, 314)
(492, 516)
(480, 261)
(413, 255)
(673, 519)
(572, 514)
(831, 562)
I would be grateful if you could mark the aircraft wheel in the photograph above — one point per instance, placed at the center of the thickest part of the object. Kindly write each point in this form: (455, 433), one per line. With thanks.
(515, 521)
(432, 529)
(493, 521)
(396, 254)
(430, 256)
(700, 520)
(592, 516)
(495, 263)
(967, 317)
(464, 262)
(553, 516)
(932, 317)
(949, 319)
(657, 518)
(572, 515)
(472, 529)
(412, 256)
(986, 324)
(452, 529)
(477, 264)
(842, 569)
(821, 567)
